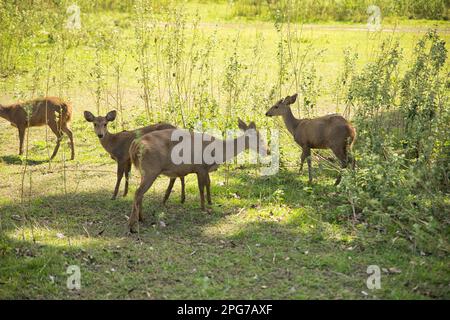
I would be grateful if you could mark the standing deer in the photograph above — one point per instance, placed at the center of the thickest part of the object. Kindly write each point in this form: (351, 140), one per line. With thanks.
(118, 144)
(152, 155)
(51, 111)
(327, 132)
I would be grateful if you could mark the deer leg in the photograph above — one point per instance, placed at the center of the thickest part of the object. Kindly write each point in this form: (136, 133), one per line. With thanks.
(309, 169)
(208, 189)
(302, 160)
(169, 189)
(201, 186)
(351, 159)
(120, 170)
(136, 213)
(21, 138)
(69, 134)
(341, 154)
(55, 151)
(307, 155)
(183, 192)
(54, 126)
(127, 177)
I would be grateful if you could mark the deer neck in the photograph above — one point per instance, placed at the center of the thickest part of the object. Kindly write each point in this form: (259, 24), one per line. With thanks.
(290, 121)
(234, 147)
(106, 141)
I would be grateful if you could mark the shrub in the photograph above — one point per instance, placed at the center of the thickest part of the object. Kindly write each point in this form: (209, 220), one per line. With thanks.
(403, 169)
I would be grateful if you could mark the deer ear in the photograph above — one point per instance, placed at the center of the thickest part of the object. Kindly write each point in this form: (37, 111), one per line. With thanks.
(242, 124)
(111, 116)
(252, 125)
(290, 99)
(88, 116)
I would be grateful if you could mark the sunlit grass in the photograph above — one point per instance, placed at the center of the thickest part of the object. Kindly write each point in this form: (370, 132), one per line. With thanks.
(264, 237)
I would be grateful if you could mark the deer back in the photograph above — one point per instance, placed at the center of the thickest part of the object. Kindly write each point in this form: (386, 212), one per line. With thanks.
(322, 132)
(118, 145)
(153, 153)
(39, 112)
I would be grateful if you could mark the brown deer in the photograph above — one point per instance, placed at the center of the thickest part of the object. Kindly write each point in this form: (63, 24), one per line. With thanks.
(153, 155)
(118, 144)
(328, 132)
(51, 111)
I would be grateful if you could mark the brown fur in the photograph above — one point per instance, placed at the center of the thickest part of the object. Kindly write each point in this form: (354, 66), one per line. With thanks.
(118, 144)
(52, 111)
(152, 156)
(328, 132)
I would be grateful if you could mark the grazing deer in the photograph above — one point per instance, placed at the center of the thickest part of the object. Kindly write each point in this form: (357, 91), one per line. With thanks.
(327, 132)
(118, 144)
(51, 111)
(152, 155)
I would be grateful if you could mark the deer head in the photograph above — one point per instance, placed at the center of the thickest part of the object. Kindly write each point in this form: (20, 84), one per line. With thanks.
(252, 134)
(3, 111)
(281, 107)
(100, 123)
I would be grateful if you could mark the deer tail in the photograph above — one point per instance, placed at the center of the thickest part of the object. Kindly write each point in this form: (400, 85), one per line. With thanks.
(352, 138)
(66, 111)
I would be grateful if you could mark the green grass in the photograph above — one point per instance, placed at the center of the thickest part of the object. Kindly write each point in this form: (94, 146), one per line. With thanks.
(256, 242)
(311, 11)
(265, 237)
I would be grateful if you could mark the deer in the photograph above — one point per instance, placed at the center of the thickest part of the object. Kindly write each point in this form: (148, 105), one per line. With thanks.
(51, 111)
(118, 144)
(152, 155)
(327, 132)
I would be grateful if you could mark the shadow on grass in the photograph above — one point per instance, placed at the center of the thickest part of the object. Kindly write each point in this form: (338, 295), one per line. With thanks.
(89, 214)
(193, 255)
(19, 160)
(287, 187)
(183, 258)
(93, 214)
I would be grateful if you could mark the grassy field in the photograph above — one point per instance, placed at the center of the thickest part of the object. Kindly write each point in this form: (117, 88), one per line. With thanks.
(264, 237)
(257, 242)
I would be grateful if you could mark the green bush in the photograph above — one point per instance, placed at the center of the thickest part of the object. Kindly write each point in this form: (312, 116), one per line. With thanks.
(403, 168)
(338, 10)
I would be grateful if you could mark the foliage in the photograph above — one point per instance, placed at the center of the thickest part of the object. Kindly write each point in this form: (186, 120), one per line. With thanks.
(403, 144)
(374, 92)
(159, 61)
(423, 98)
(351, 10)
